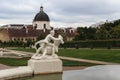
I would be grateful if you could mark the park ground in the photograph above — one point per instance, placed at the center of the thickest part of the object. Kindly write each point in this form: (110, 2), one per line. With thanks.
(106, 55)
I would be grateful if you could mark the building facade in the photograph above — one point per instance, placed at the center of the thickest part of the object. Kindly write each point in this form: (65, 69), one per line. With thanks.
(41, 20)
(40, 26)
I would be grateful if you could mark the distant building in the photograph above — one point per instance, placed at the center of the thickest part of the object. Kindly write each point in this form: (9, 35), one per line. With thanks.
(18, 26)
(41, 20)
(40, 26)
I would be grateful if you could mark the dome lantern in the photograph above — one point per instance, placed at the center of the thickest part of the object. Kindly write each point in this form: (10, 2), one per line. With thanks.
(41, 8)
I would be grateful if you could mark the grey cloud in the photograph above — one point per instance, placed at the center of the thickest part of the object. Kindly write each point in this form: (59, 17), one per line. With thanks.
(92, 10)
(84, 7)
(72, 11)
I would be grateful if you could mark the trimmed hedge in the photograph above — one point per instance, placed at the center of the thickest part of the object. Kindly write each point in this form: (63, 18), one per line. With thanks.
(73, 44)
(92, 44)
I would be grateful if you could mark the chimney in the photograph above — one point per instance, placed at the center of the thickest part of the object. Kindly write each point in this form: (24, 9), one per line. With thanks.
(26, 29)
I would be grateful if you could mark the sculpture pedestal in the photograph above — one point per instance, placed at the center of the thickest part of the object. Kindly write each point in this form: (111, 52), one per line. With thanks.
(45, 66)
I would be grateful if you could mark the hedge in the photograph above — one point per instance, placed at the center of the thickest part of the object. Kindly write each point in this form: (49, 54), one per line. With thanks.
(73, 44)
(92, 44)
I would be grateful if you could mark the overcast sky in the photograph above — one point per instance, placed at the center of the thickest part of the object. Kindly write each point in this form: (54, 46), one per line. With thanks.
(69, 13)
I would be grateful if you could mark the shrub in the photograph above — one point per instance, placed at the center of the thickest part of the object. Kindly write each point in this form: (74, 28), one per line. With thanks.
(92, 44)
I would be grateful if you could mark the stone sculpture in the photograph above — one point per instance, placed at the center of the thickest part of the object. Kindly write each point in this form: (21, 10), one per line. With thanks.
(47, 48)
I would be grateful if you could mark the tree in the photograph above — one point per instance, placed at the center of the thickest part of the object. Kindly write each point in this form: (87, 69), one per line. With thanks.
(85, 33)
(42, 36)
(81, 33)
(90, 33)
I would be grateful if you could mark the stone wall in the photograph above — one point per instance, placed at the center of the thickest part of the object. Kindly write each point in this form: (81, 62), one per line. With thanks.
(4, 36)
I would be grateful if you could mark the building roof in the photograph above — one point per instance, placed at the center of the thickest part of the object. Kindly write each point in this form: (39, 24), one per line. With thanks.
(34, 33)
(41, 16)
(26, 32)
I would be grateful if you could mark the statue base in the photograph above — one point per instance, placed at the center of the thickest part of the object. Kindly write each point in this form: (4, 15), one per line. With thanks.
(45, 66)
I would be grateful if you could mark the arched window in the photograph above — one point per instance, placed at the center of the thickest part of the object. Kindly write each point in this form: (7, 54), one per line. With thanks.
(51, 28)
(44, 26)
(35, 26)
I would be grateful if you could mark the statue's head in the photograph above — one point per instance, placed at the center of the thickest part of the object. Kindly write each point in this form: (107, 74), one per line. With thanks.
(52, 32)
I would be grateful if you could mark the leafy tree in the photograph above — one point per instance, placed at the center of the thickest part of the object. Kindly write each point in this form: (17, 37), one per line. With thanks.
(85, 33)
(42, 36)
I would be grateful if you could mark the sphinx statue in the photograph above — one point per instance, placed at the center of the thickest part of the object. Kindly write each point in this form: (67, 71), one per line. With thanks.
(47, 49)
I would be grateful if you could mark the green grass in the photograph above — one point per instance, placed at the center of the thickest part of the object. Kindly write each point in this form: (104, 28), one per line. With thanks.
(108, 55)
(14, 62)
(23, 49)
(112, 55)
(95, 54)
(75, 63)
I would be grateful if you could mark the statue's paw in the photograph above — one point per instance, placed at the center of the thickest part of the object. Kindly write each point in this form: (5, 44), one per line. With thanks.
(38, 57)
(36, 54)
(54, 55)
(34, 57)
(43, 57)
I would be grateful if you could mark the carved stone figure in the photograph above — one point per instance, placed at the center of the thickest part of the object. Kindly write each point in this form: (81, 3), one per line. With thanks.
(47, 49)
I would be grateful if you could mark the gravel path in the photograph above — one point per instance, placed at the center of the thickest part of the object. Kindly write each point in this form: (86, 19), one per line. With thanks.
(87, 61)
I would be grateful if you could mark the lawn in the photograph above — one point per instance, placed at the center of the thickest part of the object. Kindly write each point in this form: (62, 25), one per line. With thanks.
(95, 54)
(108, 55)
(112, 55)
(14, 62)
(23, 49)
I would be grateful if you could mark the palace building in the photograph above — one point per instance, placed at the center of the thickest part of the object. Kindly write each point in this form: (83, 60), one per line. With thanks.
(41, 20)
(40, 26)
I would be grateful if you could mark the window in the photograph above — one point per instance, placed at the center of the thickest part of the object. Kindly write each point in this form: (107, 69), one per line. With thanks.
(51, 28)
(14, 39)
(18, 39)
(44, 26)
(35, 26)
(33, 39)
(21, 39)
